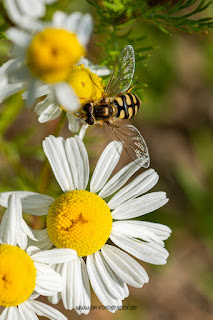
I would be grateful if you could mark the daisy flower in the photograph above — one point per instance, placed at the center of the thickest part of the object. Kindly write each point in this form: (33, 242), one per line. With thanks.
(43, 60)
(25, 272)
(25, 13)
(84, 221)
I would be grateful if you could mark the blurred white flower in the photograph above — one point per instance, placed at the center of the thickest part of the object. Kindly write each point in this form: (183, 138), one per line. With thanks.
(84, 221)
(43, 60)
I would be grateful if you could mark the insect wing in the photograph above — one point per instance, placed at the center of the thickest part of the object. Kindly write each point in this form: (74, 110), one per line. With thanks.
(122, 73)
(133, 143)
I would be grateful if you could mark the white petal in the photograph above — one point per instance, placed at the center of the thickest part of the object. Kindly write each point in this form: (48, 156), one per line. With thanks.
(54, 148)
(113, 283)
(19, 17)
(78, 160)
(57, 297)
(66, 97)
(73, 122)
(22, 240)
(48, 282)
(83, 131)
(32, 89)
(4, 314)
(13, 221)
(76, 293)
(102, 292)
(47, 111)
(43, 241)
(85, 28)
(42, 90)
(55, 256)
(129, 270)
(106, 164)
(7, 89)
(26, 311)
(10, 313)
(85, 295)
(162, 231)
(140, 206)
(32, 202)
(141, 184)
(27, 230)
(42, 309)
(18, 37)
(33, 8)
(59, 19)
(147, 252)
(72, 21)
(119, 179)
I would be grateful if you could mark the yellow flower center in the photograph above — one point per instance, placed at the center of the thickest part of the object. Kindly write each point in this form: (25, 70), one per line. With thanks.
(86, 84)
(79, 220)
(17, 276)
(52, 53)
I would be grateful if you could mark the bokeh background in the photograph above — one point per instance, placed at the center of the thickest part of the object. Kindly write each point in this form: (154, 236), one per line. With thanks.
(176, 120)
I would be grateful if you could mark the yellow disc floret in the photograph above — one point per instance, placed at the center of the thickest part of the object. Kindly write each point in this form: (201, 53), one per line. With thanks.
(52, 53)
(79, 220)
(17, 276)
(86, 84)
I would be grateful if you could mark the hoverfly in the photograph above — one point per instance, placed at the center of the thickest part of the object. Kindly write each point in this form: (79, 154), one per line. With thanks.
(118, 103)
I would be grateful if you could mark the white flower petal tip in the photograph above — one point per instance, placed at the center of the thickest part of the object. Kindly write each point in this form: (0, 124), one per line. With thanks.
(140, 206)
(101, 288)
(146, 231)
(151, 252)
(69, 161)
(106, 164)
(141, 184)
(129, 270)
(85, 29)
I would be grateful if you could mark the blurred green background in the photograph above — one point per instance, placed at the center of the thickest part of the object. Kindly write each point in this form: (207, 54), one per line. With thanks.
(176, 120)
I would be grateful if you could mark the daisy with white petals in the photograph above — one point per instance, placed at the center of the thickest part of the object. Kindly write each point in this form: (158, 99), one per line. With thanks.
(24, 13)
(43, 60)
(25, 273)
(84, 221)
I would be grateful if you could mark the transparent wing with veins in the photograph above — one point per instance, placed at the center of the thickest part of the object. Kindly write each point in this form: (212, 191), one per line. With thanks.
(122, 73)
(133, 143)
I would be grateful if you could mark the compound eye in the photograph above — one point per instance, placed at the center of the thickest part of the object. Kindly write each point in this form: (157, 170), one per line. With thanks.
(90, 120)
(88, 107)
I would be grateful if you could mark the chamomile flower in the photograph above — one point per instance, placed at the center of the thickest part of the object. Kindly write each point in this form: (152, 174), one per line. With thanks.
(25, 272)
(43, 60)
(87, 86)
(84, 221)
(25, 13)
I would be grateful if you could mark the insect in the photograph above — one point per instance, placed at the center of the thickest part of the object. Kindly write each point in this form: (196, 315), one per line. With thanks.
(118, 103)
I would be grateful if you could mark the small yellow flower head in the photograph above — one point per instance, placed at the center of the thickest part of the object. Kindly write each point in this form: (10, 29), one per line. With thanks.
(79, 220)
(86, 84)
(17, 276)
(52, 53)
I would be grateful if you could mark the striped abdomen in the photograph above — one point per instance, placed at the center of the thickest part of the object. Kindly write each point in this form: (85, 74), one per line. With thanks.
(127, 105)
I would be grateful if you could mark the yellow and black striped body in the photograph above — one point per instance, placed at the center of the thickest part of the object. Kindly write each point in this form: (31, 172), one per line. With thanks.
(124, 106)
(127, 105)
